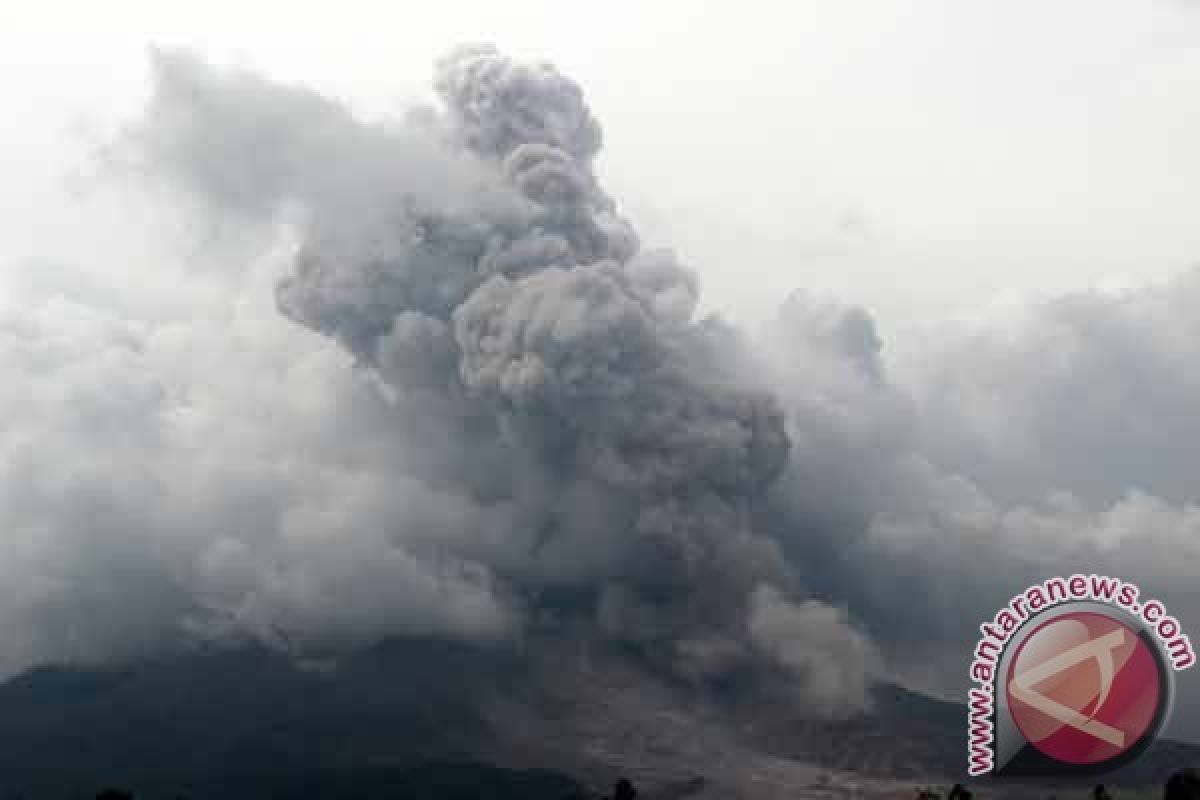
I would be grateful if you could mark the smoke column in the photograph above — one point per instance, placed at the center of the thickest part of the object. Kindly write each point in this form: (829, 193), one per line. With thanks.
(422, 379)
(543, 364)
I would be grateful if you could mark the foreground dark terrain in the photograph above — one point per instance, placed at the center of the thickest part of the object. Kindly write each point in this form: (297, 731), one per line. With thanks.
(425, 719)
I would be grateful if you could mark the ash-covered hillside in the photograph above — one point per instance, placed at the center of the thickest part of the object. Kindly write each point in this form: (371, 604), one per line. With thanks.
(252, 724)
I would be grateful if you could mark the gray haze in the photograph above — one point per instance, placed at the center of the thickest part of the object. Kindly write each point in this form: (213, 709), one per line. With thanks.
(428, 381)
(541, 370)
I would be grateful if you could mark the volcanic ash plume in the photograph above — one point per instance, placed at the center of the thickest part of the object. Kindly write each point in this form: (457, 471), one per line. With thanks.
(543, 365)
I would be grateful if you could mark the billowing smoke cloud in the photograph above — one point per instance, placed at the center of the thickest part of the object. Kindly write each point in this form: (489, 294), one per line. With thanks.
(541, 366)
(204, 478)
(990, 454)
(454, 395)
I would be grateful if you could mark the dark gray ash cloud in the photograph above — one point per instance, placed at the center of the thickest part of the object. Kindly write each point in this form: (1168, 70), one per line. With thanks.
(987, 455)
(454, 395)
(542, 367)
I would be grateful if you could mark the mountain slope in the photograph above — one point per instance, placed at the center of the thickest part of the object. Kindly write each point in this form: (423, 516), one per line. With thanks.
(418, 719)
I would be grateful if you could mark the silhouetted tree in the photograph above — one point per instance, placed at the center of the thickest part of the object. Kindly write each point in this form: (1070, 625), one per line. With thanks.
(624, 790)
(1183, 785)
(1100, 793)
(959, 792)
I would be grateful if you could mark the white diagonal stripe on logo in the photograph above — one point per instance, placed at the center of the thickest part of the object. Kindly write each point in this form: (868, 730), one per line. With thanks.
(1099, 649)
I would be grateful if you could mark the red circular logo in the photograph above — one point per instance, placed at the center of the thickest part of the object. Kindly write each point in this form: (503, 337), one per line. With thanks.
(1084, 688)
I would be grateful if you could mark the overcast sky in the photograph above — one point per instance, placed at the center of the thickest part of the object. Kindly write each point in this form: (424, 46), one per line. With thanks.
(917, 158)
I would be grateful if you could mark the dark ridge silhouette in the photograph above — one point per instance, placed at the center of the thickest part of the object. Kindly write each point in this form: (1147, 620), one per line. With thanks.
(441, 781)
(114, 794)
